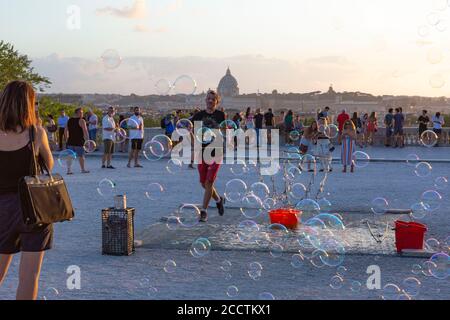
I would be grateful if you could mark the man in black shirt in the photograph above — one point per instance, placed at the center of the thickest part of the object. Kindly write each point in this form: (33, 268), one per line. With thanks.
(211, 118)
(423, 122)
(269, 119)
(259, 118)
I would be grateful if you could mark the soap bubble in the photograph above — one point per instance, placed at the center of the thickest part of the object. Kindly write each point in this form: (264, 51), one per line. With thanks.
(437, 81)
(332, 131)
(297, 191)
(111, 59)
(50, 294)
(294, 135)
(260, 190)
(336, 282)
(379, 206)
(66, 157)
(419, 210)
(189, 215)
(184, 85)
(106, 188)
(184, 127)
(441, 183)
(341, 271)
(119, 135)
(355, 286)
(226, 266)
(89, 146)
(429, 138)
(163, 87)
(172, 223)
(324, 204)
(390, 292)
(200, 248)
(166, 142)
(248, 231)
(276, 250)
(440, 267)
(255, 270)
(432, 245)
(154, 191)
(239, 168)
(361, 159)
(174, 166)
(235, 190)
(411, 286)
(277, 233)
(252, 206)
(297, 261)
(170, 266)
(266, 296)
(423, 170)
(432, 199)
(412, 160)
(309, 207)
(153, 150)
(232, 291)
(435, 56)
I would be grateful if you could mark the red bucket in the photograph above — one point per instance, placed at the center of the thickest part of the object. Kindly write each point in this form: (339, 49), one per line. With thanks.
(409, 235)
(286, 217)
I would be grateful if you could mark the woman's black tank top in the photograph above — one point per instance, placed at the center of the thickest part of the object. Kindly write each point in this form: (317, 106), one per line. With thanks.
(14, 165)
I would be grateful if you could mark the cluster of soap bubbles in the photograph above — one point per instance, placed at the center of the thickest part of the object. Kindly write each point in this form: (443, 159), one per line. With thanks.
(183, 85)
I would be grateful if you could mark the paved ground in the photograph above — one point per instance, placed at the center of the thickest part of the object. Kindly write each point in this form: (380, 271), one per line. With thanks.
(142, 276)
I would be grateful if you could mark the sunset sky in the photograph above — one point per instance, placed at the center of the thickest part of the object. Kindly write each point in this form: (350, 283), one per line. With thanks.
(381, 47)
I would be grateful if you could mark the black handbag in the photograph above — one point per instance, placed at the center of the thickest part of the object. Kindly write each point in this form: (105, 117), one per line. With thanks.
(44, 198)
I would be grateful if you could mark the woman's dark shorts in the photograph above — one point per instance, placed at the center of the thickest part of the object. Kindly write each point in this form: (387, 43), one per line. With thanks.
(15, 236)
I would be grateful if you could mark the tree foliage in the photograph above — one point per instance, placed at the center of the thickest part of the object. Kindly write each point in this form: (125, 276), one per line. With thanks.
(16, 66)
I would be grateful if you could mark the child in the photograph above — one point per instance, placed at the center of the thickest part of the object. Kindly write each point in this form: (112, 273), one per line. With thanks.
(324, 148)
(307, 142)
(348, 145)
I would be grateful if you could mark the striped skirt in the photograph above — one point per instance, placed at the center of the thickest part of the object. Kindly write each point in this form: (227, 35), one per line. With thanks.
(347, 150)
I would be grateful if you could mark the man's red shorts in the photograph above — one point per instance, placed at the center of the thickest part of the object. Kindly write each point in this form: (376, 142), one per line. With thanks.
(208, 172)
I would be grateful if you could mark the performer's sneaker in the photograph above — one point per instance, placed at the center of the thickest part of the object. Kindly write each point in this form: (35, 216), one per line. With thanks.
(220, 206)
(203, 216)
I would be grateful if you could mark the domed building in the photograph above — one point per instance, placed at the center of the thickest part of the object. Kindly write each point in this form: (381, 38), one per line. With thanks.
(228, 86)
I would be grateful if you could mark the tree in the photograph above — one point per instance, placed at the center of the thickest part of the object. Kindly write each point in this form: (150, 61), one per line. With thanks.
(15, 66)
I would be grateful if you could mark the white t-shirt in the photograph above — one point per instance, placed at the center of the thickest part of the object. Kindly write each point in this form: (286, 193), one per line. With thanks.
(108, 122)
(438, 122)
(136, 122)
(93, 118)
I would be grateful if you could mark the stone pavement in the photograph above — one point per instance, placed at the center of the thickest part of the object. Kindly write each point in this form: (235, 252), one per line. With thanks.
(142, 276)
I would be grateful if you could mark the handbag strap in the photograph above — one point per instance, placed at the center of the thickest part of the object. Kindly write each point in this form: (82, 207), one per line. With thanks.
(42, 164)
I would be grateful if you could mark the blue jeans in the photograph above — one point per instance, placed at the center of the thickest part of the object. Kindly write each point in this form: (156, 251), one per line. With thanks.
(93, 134)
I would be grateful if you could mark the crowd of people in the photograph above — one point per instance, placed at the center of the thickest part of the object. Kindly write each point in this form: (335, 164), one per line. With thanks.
(305, 133)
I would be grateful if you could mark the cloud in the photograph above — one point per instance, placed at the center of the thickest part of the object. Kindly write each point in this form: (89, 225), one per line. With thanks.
(137, 11)
(140, 28)
(329, 60)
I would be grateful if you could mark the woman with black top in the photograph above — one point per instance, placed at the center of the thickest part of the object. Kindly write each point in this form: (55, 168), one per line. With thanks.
(77, 134)
(17, 118)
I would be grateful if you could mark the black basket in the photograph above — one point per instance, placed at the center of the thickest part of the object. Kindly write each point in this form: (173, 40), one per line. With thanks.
(118, 232)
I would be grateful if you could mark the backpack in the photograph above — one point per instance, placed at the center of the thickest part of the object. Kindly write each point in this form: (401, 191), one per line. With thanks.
(163, 123)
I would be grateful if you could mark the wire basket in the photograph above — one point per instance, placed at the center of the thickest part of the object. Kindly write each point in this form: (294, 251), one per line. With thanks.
(118, 232)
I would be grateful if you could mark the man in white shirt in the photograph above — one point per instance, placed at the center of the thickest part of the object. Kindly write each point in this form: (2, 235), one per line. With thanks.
(62, 123)
(109, 128)
(93, 122)
(438, 123)
(136, 135)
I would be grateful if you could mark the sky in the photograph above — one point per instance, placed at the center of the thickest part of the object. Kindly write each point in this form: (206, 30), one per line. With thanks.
(380, 47)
